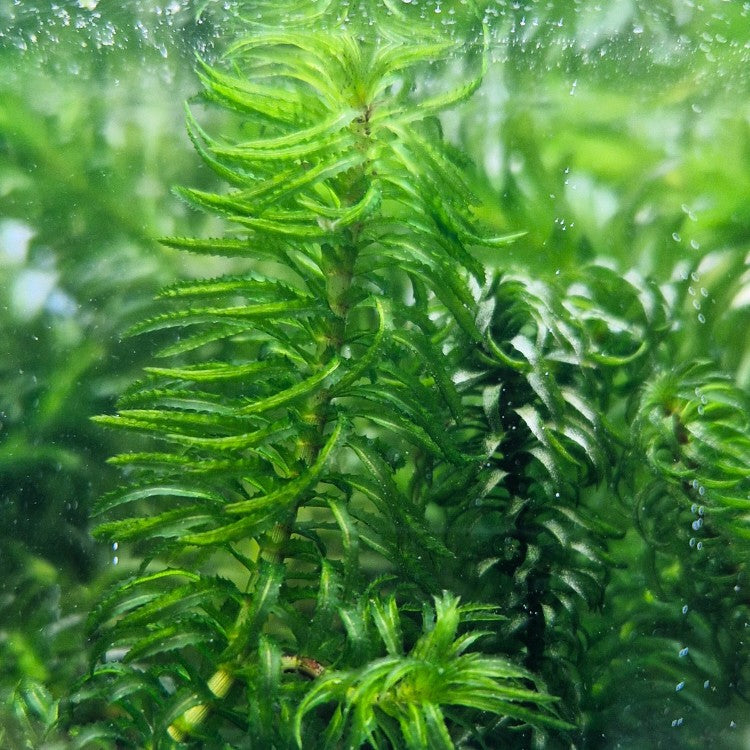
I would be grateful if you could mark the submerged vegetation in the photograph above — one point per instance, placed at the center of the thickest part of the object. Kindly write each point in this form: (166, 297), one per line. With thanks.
(414, 450)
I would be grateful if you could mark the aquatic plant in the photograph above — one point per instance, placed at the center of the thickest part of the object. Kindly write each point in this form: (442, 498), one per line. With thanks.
(389, 498)
(307, 432)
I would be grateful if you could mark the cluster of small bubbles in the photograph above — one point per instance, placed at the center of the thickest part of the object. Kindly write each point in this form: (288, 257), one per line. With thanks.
(677, 722)
(115, 558)
(689, 212)
(693, 293)
(695, 508)
(561, 222)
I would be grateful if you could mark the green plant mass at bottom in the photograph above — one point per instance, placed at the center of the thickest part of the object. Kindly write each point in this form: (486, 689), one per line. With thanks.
(381, 495)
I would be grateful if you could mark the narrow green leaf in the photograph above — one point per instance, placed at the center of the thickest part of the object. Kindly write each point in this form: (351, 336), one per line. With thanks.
(255, 609)
(301, 389)
(269, 310)
(420, 345)
(437, 733)
(364, 362)
(386, 618)
(263, 511)
(172, 490)
(294, 488)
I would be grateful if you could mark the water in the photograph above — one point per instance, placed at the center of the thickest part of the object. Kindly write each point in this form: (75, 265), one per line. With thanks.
(614, 132)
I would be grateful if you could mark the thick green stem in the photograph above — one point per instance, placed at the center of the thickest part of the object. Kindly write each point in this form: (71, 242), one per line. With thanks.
(340, 273)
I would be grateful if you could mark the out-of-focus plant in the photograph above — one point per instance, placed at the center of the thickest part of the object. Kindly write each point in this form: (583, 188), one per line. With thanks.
(86, 144)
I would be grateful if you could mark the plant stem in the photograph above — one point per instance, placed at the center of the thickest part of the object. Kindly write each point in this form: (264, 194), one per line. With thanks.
(340, 273)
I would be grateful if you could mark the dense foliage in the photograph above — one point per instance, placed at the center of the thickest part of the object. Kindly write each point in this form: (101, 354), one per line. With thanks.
(384, 485)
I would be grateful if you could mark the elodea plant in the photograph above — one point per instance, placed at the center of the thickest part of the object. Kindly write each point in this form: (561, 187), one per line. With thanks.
(386, 494)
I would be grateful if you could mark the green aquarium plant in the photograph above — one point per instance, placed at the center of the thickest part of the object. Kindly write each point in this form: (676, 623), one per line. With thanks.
(383, 496)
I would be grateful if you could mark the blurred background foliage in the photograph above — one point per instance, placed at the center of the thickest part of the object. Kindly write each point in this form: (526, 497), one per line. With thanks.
(616, 132)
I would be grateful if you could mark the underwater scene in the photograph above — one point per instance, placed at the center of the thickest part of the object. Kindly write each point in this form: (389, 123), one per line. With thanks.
(374, 374)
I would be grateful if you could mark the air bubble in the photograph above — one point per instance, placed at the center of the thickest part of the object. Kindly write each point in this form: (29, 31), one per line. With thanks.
(684, 651)
(679, 686)
(684, 609)
(699, 545)
(697, 524)
(692, 541)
